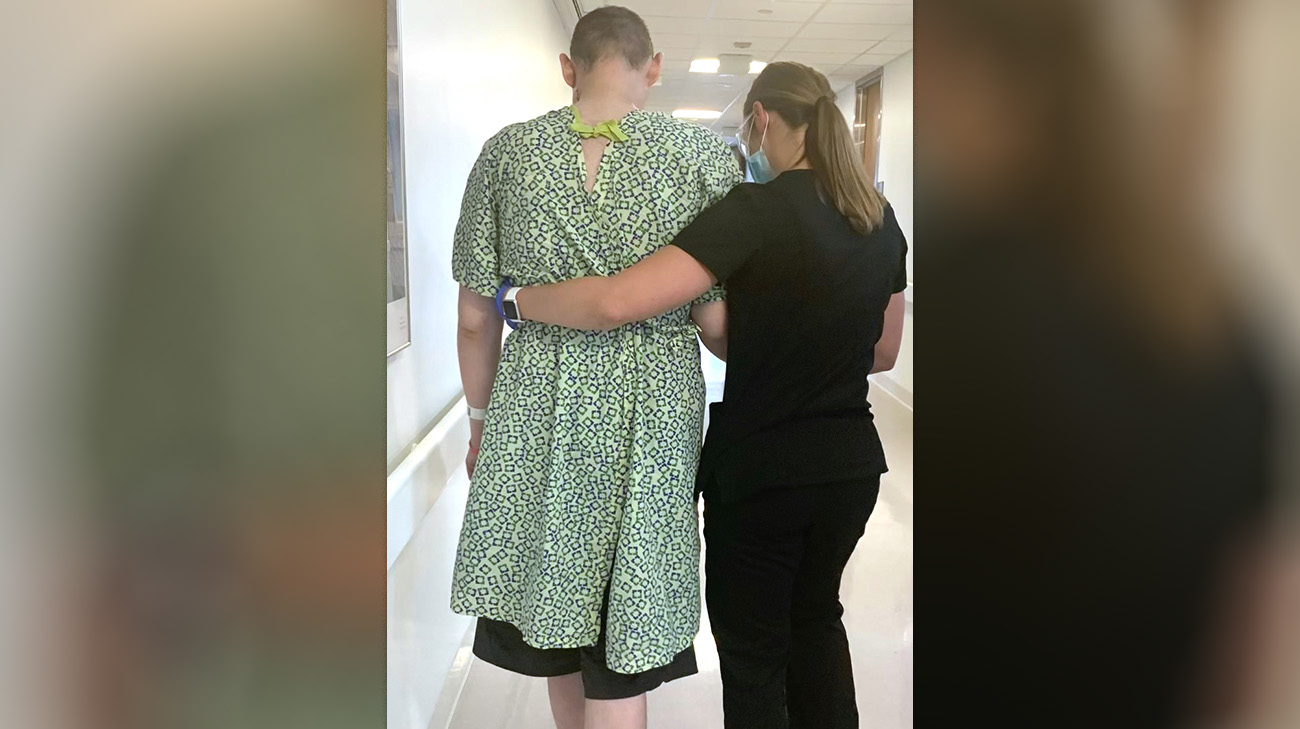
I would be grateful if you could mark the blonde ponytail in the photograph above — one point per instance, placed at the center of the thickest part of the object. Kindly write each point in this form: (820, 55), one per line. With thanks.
(833, 156)
(802, 96)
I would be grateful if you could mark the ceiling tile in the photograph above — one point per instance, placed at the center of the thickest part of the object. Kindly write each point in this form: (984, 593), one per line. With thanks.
(903, 34)
(847, 31)
(747, 29)
(856, 71)
(890, 48)
(665, 8)
(866, 13)
(726, 44)
(674, 40)
(675, 25)
(874, 59)
(708, 83)
(842, 45)
(820, 61)
(781, 10)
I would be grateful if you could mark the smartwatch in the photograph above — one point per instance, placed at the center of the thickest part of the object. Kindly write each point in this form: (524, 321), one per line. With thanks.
(507, 287)
(509, 306)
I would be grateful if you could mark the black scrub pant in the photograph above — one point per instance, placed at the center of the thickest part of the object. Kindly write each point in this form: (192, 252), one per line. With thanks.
(773, 564)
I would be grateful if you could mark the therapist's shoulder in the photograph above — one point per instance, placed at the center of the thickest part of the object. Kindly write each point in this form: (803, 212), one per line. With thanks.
(748, 202)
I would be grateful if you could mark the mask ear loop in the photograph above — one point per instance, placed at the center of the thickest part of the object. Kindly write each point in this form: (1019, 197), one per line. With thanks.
(762, 140)
(744, 137)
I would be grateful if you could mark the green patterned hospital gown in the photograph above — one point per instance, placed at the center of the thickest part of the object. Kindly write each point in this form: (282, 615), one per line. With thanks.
(586, 477)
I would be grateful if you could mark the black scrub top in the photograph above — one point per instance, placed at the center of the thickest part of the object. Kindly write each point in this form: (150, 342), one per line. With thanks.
(806, 297)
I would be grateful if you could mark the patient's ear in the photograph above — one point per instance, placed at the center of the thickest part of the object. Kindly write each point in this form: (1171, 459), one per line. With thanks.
(570, 71)
(654, 69)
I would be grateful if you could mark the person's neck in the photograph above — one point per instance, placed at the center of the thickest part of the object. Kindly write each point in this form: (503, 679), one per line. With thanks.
(602, 99)
(596, 109)
(790, 157)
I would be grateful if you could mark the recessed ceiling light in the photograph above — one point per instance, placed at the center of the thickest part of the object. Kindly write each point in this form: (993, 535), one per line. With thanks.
(711, 65)
(765, 11)
(696, 114)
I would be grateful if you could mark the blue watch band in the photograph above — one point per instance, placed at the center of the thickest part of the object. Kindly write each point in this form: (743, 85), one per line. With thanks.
(506, 285)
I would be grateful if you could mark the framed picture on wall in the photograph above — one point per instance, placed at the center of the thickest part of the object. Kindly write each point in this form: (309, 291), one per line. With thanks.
(399, 293)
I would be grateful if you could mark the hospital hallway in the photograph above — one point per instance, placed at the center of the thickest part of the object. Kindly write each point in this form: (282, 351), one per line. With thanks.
(877, 595)
(443, 109)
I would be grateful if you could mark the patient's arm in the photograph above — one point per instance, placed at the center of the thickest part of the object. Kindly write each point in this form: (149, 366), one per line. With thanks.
(711, 318)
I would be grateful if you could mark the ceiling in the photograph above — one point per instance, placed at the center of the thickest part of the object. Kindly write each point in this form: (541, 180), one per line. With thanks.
(844, 39)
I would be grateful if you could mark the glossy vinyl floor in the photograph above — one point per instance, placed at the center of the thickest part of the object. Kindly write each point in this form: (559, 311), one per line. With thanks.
(877, 595)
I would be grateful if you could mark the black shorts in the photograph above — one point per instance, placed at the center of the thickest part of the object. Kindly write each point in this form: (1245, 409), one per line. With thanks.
(502, 645)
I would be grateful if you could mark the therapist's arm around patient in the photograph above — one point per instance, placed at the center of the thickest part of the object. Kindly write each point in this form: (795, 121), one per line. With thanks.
(666, 279)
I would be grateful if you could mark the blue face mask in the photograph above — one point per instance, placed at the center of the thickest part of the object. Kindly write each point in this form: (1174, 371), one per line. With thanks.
(759, 167)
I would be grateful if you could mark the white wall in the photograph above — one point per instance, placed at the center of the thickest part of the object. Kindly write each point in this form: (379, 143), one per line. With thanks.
(468, 70)
(896, 172)
(896, 141)
(847, 99)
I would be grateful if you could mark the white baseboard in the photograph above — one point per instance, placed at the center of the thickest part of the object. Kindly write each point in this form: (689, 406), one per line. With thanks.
(444, 710)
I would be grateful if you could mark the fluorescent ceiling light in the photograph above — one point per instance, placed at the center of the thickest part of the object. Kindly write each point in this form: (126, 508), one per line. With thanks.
(696, 114)
(711, 65)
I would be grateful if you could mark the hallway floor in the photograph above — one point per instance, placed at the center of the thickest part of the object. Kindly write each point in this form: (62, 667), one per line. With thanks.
(877, 594)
